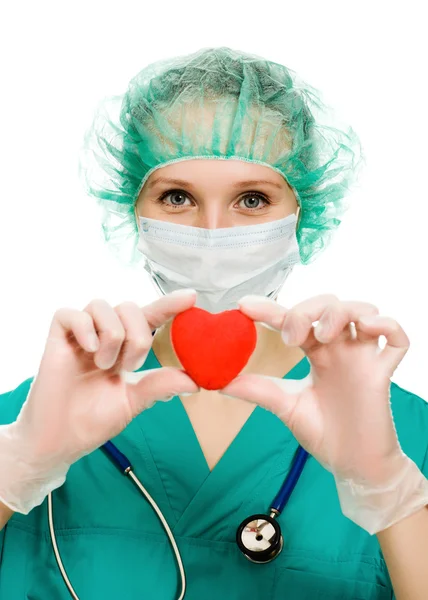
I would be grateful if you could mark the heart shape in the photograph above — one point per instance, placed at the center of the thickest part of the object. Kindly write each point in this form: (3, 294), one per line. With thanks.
(213, 348)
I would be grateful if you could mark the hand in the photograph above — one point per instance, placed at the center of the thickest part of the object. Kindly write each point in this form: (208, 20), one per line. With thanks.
(82, 396)
(341, 415)
(341, 412)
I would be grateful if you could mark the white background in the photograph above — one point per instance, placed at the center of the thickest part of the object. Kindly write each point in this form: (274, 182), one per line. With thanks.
(59, 59)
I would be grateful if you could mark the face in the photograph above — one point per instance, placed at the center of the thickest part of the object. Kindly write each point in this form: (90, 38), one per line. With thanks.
(213, 194)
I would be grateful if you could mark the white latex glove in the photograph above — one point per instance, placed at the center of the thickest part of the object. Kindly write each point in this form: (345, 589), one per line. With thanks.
(83, 396)
(341, 412)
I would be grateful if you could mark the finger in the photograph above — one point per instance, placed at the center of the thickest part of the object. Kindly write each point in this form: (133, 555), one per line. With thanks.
(397, 341)
(110, 331)
(296, 324)
(333, 316)
(293, 322)
(334, 322)
(277, 395)
(165, 308)
(74, 327)
(270, 312)
(283, 398)
(138, 336)
(263, 310)
(297, 328)
(161, 384)
(334, 319)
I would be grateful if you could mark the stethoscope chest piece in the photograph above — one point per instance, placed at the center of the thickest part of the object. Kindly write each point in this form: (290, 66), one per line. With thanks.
(259, 538)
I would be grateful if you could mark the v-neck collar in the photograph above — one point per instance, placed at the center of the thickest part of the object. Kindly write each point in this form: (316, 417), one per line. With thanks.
(188, 482)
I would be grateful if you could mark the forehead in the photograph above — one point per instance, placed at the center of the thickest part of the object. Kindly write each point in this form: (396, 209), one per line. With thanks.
(196, 126)
(206, 171)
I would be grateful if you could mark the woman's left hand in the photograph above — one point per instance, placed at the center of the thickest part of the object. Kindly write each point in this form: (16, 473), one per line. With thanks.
(340, 413)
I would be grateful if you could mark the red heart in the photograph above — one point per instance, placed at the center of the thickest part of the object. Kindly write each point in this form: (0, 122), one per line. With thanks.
(213, 348)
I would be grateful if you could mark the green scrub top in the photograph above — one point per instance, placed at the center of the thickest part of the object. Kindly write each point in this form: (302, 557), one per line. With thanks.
(113, 545)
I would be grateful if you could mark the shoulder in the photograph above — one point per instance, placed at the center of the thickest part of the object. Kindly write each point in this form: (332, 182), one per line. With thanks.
(12, 401)
(410, 413)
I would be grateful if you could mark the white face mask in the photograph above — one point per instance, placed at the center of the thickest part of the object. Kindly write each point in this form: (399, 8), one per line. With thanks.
(223, 265)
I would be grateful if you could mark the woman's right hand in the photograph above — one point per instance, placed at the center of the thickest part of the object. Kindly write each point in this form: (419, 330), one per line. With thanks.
(83, 396)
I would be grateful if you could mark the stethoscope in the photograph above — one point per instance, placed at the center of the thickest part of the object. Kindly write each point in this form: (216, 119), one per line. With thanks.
(258, 537)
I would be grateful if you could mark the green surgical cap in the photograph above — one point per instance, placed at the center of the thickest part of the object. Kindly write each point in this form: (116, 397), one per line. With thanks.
(221, 104)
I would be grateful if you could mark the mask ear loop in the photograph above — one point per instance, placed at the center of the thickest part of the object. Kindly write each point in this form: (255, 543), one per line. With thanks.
(299, 211)
(137, 216)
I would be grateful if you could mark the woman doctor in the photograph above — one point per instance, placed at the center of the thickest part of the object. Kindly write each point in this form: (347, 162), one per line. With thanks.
(220, 171)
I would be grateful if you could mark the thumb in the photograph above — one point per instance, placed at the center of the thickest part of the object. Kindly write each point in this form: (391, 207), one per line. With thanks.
(280, 396)
(291, 400)
(147, 387)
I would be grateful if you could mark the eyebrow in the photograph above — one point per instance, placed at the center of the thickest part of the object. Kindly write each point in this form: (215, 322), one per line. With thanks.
(240, 184)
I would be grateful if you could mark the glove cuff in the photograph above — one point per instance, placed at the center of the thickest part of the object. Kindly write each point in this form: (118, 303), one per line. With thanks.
(375, 508)
(22, 485)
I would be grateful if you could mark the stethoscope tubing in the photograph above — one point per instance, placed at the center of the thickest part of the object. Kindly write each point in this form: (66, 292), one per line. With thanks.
(290, 483)
(125, 467)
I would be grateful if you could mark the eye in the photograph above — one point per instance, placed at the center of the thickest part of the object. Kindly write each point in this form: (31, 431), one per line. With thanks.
(252, 201)
(177, 198)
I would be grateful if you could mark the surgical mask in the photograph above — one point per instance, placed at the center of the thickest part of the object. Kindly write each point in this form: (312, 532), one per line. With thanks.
(222, 265)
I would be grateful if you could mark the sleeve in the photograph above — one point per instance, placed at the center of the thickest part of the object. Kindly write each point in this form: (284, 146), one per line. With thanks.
(410, 413)
(424, 467)
(11, 402)
(10, 406)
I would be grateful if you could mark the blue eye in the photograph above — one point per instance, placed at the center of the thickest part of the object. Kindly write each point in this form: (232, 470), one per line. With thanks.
(248, 199)
(173, 193)
(255, 196)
